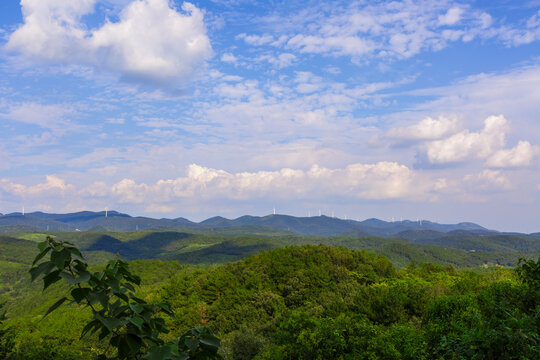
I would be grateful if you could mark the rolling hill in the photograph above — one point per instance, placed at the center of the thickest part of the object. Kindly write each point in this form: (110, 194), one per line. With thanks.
(279, 224)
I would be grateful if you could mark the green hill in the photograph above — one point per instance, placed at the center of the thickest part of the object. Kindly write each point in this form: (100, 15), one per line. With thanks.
(308, 302)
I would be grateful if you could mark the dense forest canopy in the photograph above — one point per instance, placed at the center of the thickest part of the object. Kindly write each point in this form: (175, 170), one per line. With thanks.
(290, 301)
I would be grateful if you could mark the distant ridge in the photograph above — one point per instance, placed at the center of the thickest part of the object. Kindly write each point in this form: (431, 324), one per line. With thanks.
(115, 221)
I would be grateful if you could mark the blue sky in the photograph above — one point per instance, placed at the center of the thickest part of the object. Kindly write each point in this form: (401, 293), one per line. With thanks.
(403, 109)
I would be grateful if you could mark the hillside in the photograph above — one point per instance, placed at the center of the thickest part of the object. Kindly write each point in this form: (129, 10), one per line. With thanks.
(308, 302)
(216, 247)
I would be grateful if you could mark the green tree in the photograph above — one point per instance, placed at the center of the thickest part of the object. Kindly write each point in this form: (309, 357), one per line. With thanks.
(131, 326)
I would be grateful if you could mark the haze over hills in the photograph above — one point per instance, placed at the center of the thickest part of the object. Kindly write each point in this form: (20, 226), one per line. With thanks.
(282, 224)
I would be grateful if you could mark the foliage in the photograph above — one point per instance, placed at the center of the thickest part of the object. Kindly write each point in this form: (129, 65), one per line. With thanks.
(300, 302)
(129, 324)
(6, 342)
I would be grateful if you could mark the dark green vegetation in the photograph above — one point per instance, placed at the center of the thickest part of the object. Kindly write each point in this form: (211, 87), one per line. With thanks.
(306, 301)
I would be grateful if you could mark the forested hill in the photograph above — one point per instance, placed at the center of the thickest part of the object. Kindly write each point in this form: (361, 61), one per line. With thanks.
(460, 249)
(279, 224)
(308, 302)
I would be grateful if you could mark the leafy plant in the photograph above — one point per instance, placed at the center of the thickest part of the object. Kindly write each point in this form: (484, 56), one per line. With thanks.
(129, 324)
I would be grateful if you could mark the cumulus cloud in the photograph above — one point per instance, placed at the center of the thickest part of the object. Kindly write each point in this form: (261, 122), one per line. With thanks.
(487, 144)
(466, 144)
(383, 180)
(426, 129)
(53, 185)
(150, 42)
(520, 155)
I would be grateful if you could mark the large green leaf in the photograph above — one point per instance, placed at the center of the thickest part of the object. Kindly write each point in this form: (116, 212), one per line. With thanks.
(138, 308)
(80, 294)
(41, 255)
(84, 276)
(93, 325)
(98, 296)
(61, 258)
(42, 245)
(211, 340)
(137, 321)
(43, 268)
(164, 352)
(55, 306)
(68, 277)
(109, 322)
(51, 278)
(165, 308)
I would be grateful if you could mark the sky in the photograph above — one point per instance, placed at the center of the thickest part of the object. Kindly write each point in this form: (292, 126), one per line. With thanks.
(388, 109)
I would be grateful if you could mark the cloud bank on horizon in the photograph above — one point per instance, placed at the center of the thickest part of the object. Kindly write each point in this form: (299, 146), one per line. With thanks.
(371, 109)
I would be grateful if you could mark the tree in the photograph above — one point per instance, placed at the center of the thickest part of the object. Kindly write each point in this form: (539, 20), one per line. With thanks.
(129, 324)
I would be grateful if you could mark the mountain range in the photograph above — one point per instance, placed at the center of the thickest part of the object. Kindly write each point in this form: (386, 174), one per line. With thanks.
(279, 224)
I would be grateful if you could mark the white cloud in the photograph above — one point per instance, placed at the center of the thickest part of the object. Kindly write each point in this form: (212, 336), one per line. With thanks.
(53, 117)
(487, 180)
(519, 36)
(520, 155)
(383, 180)
(514, 93)
(466, 144)
(340, 45)
(229, 58)
(389, 29)
(452, 16)
(384, 29)
(150, 42)
(117, 120)
(157, 208)
(308, 83)
(426, 129)
(282, 60)
(284, 111)
(96, 189)
(53, 185)
(256, 39)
